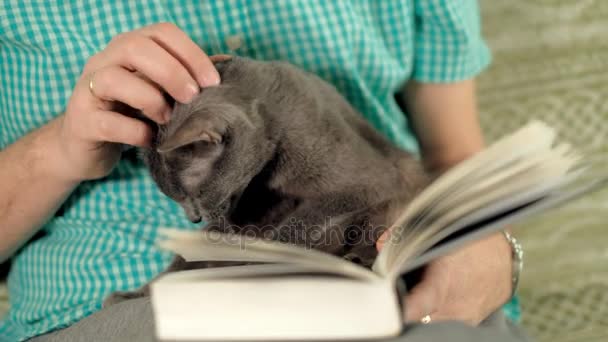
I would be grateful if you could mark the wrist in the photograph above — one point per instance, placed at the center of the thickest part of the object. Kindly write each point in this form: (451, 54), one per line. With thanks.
(49, 148)
(496, 255)
(504, 254)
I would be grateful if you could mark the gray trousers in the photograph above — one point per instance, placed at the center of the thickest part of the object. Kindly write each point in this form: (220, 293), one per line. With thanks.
(132, 321)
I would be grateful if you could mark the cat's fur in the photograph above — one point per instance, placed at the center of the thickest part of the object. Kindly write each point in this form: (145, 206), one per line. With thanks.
(278, 153)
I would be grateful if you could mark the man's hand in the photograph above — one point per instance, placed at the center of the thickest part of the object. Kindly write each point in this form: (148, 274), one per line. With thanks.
(467, 285)
(135, 68)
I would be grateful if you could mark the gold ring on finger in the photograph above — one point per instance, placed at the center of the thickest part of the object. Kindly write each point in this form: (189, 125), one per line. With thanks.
(92, 85)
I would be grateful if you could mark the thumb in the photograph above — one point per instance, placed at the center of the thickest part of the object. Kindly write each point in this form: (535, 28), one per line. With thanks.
(424, 299)
(382, 240)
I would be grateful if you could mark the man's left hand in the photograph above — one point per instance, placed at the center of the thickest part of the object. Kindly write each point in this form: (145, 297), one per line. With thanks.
(467, 285)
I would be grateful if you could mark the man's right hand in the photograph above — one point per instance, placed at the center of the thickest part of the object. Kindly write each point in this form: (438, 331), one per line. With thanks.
(135, 68)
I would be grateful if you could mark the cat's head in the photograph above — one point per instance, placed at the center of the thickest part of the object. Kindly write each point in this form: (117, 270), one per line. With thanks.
(205, 156)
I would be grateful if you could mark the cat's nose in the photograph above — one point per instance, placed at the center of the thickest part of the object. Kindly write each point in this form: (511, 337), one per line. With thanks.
(191, 211)
(193, 215)
(195, 219)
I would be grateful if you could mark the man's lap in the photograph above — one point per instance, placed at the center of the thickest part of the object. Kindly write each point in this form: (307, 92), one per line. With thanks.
(132, 321)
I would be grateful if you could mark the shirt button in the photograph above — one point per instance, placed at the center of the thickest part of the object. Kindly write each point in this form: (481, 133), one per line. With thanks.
(234, 42)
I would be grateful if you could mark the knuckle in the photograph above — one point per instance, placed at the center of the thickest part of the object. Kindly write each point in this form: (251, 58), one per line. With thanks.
(94, 61)
(132, 43)
(119, 38)
(166, 27)
(101, 79)
(135, 43)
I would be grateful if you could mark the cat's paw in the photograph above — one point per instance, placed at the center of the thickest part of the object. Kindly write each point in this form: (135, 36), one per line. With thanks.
(353, 257)
(359, 259)
(121, 296)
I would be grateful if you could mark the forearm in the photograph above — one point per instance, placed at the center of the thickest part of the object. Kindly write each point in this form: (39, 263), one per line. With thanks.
(31, 186)
(446, 121)
(444, 117)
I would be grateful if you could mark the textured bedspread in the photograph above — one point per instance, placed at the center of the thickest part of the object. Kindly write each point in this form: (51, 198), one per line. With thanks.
(551, 62)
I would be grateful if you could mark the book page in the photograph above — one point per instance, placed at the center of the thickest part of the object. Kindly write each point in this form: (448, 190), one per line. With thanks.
(490, 204)
(534, 170)
(517, 166)
(494, 219)
(214, 246)
(249, 271)
(516, 185)
(504, 202)
(494, 157)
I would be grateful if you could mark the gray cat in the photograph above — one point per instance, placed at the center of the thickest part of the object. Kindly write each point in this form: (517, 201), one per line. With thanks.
(277, 153)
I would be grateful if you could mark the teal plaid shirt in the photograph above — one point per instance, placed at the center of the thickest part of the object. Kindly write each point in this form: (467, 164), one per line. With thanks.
(102, 239)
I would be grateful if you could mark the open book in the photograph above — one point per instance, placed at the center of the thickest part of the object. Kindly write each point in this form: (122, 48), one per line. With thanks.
(299, 294)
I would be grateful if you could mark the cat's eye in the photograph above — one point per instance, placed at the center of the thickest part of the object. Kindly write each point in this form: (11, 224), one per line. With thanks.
(187, 149)
(198, 149)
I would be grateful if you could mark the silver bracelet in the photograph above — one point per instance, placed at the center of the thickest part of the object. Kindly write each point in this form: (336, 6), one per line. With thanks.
(517, 254)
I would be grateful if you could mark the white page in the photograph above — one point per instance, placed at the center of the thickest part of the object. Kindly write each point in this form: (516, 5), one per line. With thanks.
(553, 201)
(510, 201)
(502, 177)
(541, 178)
(213, 246)
(535, 137)
(534, 170)
(523, 146)
(436, 231)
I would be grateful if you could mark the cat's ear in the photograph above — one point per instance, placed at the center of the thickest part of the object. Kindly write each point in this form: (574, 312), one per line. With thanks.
(189, 132)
